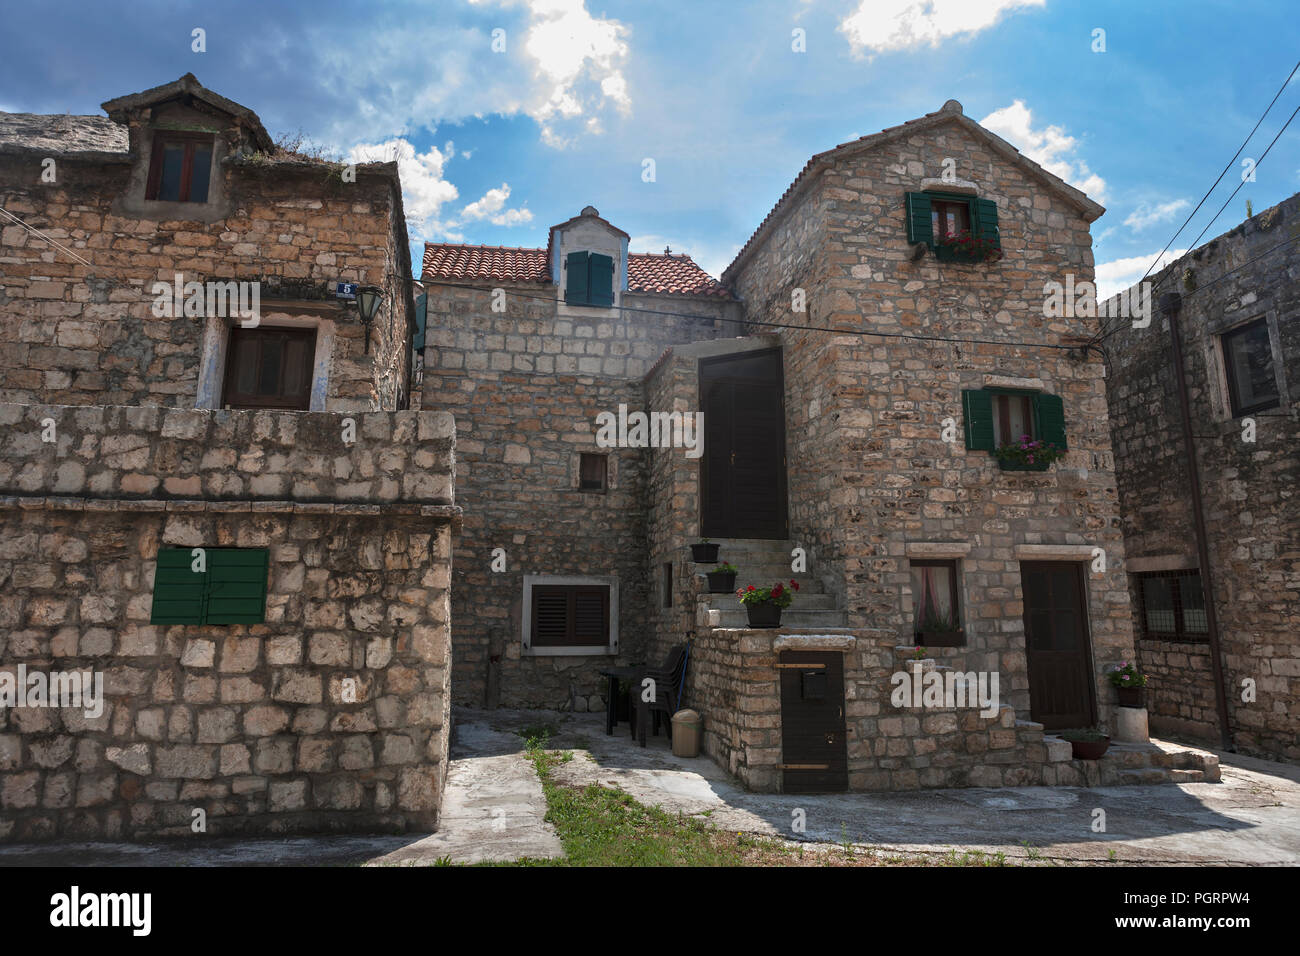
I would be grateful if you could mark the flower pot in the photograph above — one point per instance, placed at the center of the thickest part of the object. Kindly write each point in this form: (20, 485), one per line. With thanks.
(721, 582)
(955, 638)
(1089, 749)
(1131, 696)
(1023, 466)
(763, 615)
(704, 553)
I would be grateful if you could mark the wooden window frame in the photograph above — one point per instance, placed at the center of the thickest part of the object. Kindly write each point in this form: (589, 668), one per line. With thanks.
(1225, 338)
(603, 486)
(1002, 413)
(161, 138)
(935, 207)
(1180, 634)
(280, 401)
(958, 637)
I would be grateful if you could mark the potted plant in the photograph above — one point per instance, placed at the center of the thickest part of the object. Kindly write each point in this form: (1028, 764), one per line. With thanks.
(704, 552)
(763, 605)
(963, 247)
(938, 629)
(722, 579)
(919, 653)
(1027, 454)
(1087, 744)
(1129, 683)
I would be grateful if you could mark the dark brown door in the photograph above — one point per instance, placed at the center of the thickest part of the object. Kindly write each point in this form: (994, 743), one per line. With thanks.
(743, 471)
(814, 752)
(1057, 646)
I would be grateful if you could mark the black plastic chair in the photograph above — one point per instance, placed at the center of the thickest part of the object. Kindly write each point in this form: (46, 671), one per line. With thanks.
(670, 685)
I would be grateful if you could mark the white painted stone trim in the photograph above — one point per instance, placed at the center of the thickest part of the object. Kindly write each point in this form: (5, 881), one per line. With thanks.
(609, 580)
(937, 549)
(1163, 562)
(1054, 552)
(216, 344)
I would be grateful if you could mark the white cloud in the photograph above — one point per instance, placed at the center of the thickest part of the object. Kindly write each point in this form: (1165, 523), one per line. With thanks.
(1051, 147)
(1147, 215)
(1118, 274)
(424, 190)
(882, 25)
(492, 207)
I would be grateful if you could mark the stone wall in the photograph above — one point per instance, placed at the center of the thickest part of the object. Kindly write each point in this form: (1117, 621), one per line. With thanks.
(526, 386)
(88, 335)
(331, 715)
(870, 475)
(1251, 511)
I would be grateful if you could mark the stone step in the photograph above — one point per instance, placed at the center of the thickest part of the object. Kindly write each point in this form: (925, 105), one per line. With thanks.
(1186, 776)
(791, 617)
(1143, 777)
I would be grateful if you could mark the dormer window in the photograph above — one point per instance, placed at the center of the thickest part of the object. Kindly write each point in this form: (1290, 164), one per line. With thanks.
(180, 167)
(589, 279)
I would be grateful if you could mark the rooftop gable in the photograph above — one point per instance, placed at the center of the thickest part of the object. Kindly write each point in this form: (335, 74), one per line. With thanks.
(189, 89)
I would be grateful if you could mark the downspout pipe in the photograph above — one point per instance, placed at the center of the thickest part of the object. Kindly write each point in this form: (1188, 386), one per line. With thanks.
(1171, 304)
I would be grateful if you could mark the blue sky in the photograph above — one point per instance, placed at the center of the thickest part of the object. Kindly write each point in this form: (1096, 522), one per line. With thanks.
(495, 147)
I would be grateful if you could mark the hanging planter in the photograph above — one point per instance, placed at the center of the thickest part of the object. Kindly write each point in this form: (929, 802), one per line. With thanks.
(704, 552)
(722, 579)
(963, 247)
(1027, 454)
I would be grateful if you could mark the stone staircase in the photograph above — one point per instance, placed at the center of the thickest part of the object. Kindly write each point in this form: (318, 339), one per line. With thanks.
(763, 564)
(1141, 763)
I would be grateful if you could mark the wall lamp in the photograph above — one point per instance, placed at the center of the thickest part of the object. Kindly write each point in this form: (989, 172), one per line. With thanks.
(369, 299)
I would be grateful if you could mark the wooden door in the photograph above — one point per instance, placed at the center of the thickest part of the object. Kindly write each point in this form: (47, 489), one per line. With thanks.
(814, 751)
(743, 467)
(1057, 646)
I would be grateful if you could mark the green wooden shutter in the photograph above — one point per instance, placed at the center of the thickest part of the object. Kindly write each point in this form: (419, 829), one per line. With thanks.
(178, 592)
(602, 280)
(984, 220)
(977, 416)
(1049, 413)
(421, 321)
(236, 592)
(919, 228)
(577, 286)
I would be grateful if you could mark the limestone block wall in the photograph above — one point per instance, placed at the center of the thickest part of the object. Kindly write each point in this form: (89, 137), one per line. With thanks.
(1251, 510)
(526, 386)
(81, 335)
(331, 715)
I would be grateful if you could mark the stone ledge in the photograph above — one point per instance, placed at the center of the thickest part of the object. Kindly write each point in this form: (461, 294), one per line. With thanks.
(1050, 552)
(937, 549)
(815, 642)
(281, 506)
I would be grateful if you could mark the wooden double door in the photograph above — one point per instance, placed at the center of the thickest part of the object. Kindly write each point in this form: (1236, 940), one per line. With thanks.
(743, 467)
(1057, 645)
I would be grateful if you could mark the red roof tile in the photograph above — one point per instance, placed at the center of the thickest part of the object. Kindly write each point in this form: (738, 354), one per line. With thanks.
(661, 274)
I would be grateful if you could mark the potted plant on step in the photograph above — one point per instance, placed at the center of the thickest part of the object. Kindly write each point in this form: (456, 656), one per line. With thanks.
(1087, 744)
(763, 605)
(1027, 454)
(1130, 684)
(704, 552)
(722, 579)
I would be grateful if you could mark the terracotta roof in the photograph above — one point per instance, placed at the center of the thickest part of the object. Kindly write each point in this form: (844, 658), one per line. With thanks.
(647, 272)
(62, 133)
(950, 112)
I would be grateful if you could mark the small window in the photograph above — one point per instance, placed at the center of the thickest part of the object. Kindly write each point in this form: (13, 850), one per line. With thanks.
(1248, 360)
(1172, 606)
(180, 167)
(593, 472)
(949, 219)
(1013, 418)
(212, 586)
(995, 418)
(936, 613)
(668, 584)
(589, 279)
(270, 368)
(570, 616)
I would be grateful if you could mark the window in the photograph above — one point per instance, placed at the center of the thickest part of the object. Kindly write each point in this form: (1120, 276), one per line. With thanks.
(668, 584)
(269, 368)
(993, 418)
(569, 616)
(593, 472)
(180, 167)
(932, 216)
(210, 586)
(948, 218)
(1248, 361)
(589, 279)
(936, 613)
(1172, 606)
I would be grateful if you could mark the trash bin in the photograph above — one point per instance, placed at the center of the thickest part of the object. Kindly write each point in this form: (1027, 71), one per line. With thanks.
(686, 734)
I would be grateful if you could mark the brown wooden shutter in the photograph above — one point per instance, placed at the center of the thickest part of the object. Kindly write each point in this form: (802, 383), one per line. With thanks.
(570, 616)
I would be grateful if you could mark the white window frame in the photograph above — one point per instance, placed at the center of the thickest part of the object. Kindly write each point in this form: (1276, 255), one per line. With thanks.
(531, 580)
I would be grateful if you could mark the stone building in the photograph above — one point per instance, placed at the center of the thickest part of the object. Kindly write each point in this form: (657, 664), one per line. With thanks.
(874, 344)
(1239, 319)
(216, 502)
